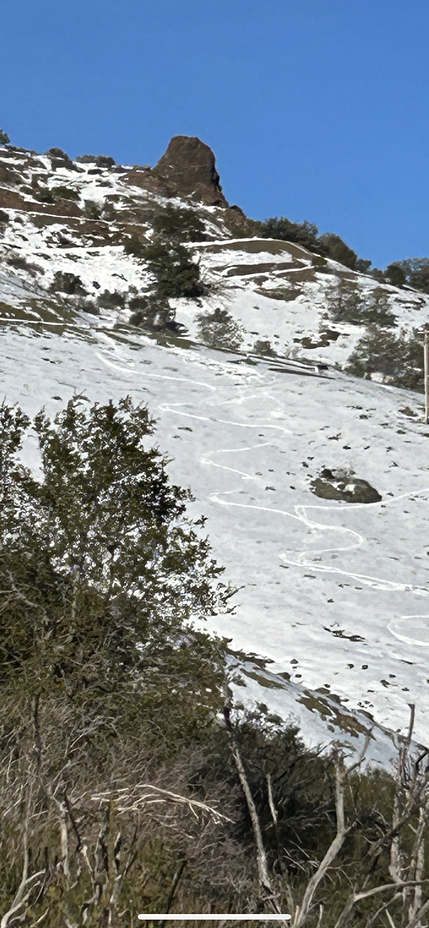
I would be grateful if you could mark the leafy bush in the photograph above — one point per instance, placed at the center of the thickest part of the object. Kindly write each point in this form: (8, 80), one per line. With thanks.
(219, 330)
(120, 568)
(4, 138)
(109, 299)
(396, 275)
(302, 233)
(396, 358)
(416, 271)
(152, 313)
(92, 210)
(174, 271)
(264, 347)
(50, 194)
(102, 161)
(135, 246)
(183, 225)
(68, 283)
(336, 249)
(44, 194)
(64, 193)
(349, 305)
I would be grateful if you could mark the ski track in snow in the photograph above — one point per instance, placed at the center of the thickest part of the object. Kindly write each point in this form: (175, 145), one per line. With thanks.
(300, 511)
(304, 634)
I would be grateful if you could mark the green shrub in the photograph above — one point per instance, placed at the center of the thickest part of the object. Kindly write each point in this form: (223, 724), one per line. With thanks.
(396, 358)
(175, 272)
(264, 347)
(44, 194)
(318, 261)
(302, 233)
(183, 225)
(92, 210)
(152, 313)
(69, 283)
(4, 138)
(64, 193)
(336, 249)
(218, 329)
(102, 161)
(135, 246)
(109, 299)
(395, 274)
(349, 305)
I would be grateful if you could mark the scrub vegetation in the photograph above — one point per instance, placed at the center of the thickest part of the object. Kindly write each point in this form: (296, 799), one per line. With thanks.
(129, 783)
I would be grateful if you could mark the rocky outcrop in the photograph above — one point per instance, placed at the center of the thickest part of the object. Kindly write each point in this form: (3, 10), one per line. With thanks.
(343, 485)
(189, 169)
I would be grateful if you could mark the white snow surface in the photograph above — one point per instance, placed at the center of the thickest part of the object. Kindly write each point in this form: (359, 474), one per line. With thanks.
(335, 595)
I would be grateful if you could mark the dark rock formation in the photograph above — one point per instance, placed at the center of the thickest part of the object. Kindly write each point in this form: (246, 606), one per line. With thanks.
(189, 168)
(343, 485)
(60, 159)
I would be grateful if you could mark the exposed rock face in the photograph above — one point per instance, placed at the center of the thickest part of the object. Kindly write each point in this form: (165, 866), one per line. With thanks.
(189, 168)
(343, 485)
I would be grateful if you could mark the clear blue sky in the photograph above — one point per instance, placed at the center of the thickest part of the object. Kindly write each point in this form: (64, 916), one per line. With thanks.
(315, 109)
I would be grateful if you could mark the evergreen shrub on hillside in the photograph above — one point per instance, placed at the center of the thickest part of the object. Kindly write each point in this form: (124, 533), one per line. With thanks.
(66, 282)
(50, 194)
(336, 249)
(175, 222)
(174, 270)
(4, 138)
(396, 358)
(302, 233)
(348, 304)
(219, 329)
(92, 210)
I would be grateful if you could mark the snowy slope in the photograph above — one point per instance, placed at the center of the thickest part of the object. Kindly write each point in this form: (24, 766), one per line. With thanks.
(334, 595)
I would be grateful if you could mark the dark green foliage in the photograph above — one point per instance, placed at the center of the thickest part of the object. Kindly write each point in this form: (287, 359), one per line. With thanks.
(177, 223)
(395, 275)
(350, 305)
(111, 299)
(302, 233)
(135, 246)
(45, 195)
(336, 249)
(396, 358)
(416, 271)
(50, 194)
(102, 161)
(92, 209)
(4, 138)
(174, 271)
(64, 193)
(218, 329)
(152, 313)
(117, 572)
(264, 347)
(69, 283)
(319, 261)
(363, 265)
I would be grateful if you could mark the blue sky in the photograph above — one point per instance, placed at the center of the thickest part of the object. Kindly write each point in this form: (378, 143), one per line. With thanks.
(315, 109)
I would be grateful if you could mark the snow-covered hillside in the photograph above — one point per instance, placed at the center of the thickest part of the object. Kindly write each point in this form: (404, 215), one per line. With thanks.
(334, 594)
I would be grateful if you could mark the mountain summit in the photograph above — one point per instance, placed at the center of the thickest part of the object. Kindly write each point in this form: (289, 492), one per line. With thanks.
(189, 165)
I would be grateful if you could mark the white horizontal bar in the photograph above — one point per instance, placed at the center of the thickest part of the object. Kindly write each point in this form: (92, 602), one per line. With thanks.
(213, 918)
